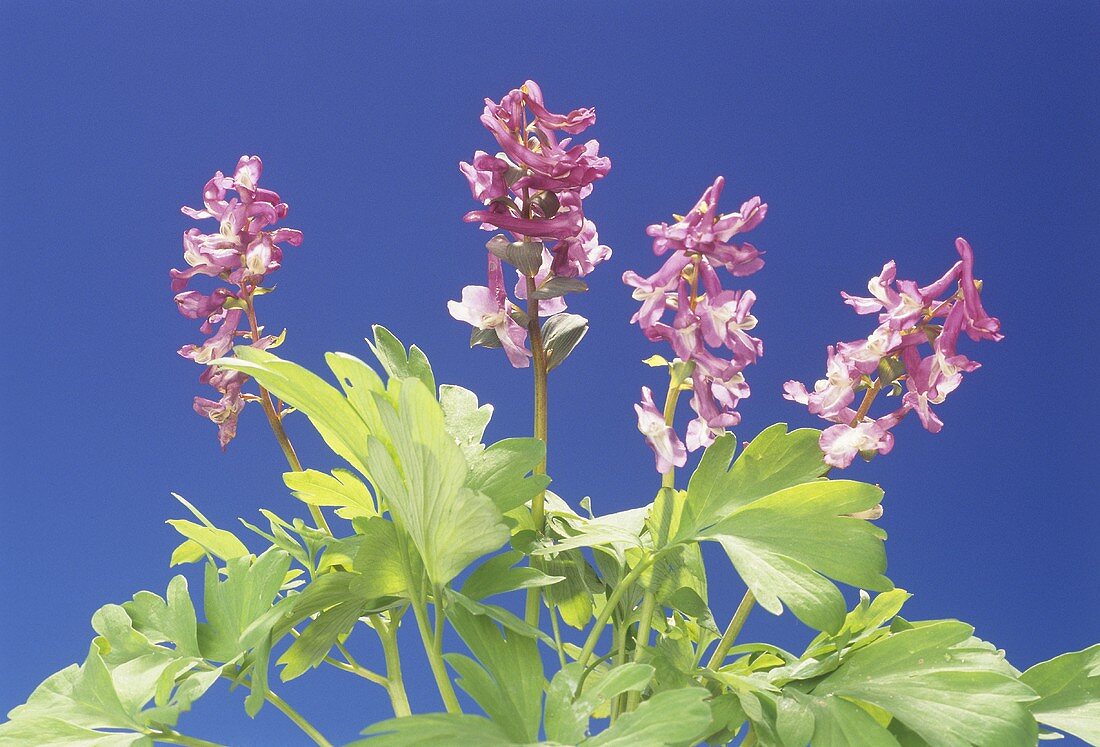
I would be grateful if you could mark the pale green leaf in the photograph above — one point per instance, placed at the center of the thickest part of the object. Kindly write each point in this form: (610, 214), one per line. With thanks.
(398, 363)
(423, 483)
(673, 717)
(313, 645)
(940, 683)
(502, 472)
(785, 544)
(341, 488)
(218, 542)
(1069, 692)
(506, 680)
(332, 415)
(434, 730)
(567, 717)
(463, 418)
(500, 574)
(774, 460)
(561, 333)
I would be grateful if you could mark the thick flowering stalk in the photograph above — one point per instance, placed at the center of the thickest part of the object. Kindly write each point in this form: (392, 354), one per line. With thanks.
(533, 188)
(241, 254)
(708, 325)
(910, 318)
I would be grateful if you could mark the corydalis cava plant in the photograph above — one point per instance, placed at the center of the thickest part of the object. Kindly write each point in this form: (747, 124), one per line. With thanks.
(432, 529)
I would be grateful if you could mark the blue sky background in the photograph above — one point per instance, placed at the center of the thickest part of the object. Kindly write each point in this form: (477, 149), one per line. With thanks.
(873, 132)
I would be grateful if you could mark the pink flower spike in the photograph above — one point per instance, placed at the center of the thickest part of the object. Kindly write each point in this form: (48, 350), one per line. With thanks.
(667, 447)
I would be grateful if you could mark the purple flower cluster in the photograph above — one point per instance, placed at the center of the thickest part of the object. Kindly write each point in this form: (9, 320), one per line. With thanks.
(910, 317)
(534, 189)
(244, 250)
(704, 316)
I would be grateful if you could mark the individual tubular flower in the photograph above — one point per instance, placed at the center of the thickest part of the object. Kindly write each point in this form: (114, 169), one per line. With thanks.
(488, 309)
(661, 437)
(245, 249)
(910, 318)
(709, 326)
(534, 188)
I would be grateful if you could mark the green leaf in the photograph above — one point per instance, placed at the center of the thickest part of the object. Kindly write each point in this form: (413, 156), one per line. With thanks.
(332, 415)
(506, 680)
(58, 733)
(240, 616)
(434, 729)
(218, 542)
(567, 718)
(398, 363)
(785, 544)
(558, 286)
(837, 722)
(940, 683)
(673, 717)
(341, 488)
(773, 461)
(560, 334)
(502, 472)
(423, 482)
(170, 620)
(463, 418)
(525, 256)
(313, 645)
(863, 623)
(381, 559)
(1069, 692)
(359, 383)
(572, 596)
(498, 614)
(500, 574)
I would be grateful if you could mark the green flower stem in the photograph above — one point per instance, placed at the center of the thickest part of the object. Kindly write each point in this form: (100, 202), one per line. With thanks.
(538, 503)
(732, 630)
(556, 628)
(395, 684)
(668, 480)
(276, 422)
(307, 728)
(868, 398)
(174, 737)
(619, 635)
(609, 607)
(433, 647)
(356, 668)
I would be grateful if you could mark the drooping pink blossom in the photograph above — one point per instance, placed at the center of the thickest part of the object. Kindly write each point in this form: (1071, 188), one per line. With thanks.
(667, 447)
(487, 308)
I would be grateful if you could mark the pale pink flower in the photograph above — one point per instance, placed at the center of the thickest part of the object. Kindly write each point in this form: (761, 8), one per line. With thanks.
(487, 308)
(667, 447)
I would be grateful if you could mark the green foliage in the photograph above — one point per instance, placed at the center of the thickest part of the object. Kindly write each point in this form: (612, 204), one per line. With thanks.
(427, 507)
(153, 658)
(1069, 692)
(423, 480)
